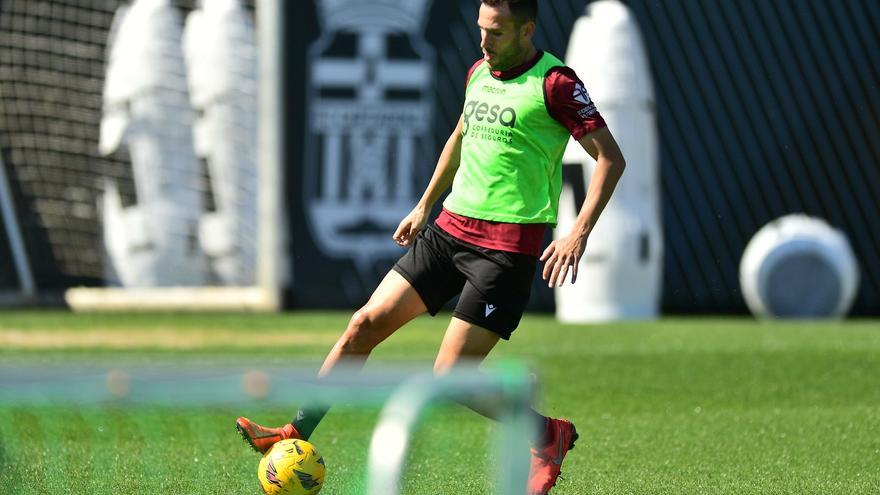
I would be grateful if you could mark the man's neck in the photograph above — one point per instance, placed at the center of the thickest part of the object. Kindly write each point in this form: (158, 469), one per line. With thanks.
(526, 57)
(530, 53)
(519, 68)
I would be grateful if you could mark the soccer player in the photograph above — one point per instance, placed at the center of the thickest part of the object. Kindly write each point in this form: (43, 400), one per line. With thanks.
(503, 162)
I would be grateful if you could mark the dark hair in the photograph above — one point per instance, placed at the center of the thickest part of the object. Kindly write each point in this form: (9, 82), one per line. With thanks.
(522, 10)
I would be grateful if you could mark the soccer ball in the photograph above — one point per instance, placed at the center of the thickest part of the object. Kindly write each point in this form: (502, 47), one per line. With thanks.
(291, 467)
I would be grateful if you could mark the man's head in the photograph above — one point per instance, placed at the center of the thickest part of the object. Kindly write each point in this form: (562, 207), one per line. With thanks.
(506, 30)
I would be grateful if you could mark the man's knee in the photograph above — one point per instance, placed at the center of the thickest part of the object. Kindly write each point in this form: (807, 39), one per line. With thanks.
(360, 336)
(443, 367)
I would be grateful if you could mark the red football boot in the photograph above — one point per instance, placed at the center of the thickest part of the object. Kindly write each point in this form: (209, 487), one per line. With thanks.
(261, 438)
(547, 460)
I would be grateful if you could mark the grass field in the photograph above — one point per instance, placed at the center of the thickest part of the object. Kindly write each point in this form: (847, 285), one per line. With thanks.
(680, 406)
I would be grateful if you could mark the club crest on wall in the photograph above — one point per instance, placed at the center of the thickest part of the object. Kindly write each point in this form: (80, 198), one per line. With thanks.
(369, 144)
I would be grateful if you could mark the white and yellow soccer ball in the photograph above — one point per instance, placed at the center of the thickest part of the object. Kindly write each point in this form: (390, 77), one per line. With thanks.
(292, 467)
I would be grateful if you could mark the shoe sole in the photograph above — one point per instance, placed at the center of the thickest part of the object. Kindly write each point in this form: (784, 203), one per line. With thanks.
(247, 438)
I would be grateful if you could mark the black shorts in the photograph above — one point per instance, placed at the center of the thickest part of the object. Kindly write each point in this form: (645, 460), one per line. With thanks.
(494, 285)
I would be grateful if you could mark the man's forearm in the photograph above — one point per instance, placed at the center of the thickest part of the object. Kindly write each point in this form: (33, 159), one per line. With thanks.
(444, 173)
(602, 184)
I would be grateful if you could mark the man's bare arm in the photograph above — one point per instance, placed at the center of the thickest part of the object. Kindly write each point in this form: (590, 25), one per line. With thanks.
(444, 173)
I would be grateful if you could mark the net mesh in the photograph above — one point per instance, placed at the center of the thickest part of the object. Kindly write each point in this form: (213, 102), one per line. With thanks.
(53, 64)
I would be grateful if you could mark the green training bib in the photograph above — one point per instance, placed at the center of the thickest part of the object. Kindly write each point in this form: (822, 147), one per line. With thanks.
(511, 149)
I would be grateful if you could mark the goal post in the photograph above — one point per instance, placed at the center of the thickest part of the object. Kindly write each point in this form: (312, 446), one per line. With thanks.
(273, 266)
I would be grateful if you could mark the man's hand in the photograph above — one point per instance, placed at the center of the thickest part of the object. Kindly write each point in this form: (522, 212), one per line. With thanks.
(410, 226)
(560, 256)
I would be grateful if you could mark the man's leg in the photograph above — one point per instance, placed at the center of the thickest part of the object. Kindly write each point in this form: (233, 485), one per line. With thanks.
(467, 341)
(463, 340)
(470, 343)
(393, 303)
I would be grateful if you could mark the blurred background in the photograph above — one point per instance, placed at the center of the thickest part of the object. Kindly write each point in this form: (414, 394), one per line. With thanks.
(130, 146)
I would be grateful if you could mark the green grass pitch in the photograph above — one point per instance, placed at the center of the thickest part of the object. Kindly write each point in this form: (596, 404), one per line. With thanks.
(679, 406)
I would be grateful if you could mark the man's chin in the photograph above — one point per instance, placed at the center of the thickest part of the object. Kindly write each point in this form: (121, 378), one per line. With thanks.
(493, 64)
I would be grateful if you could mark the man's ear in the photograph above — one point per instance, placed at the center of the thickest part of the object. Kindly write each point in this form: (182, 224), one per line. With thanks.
(528, 29)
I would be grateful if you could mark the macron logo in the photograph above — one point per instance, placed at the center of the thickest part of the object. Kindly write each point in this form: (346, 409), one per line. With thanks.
(489, 309)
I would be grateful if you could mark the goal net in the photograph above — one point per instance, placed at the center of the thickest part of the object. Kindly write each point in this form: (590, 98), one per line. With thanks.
(134, 172)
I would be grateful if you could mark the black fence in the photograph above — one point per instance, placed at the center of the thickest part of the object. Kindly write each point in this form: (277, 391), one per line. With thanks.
(766, 108)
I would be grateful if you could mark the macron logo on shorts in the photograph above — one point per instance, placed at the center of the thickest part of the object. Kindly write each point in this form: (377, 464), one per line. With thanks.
(489, 309)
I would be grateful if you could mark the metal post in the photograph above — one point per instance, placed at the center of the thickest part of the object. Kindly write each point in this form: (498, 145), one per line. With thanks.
(272, 256)
(13, 232)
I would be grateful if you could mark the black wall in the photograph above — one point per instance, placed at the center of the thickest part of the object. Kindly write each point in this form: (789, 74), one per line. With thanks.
(766, 108)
